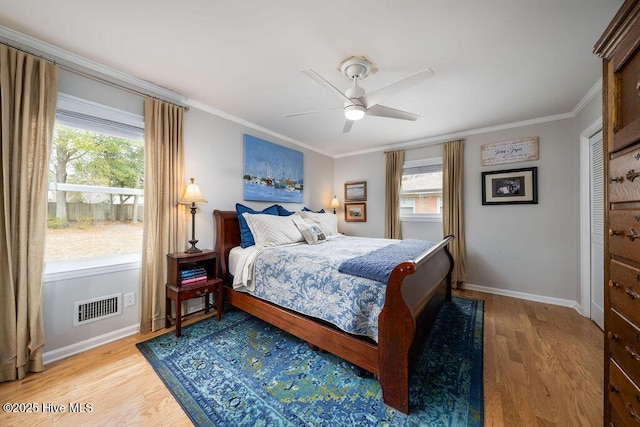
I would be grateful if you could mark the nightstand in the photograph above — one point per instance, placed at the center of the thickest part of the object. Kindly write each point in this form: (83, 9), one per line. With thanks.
(191, 275)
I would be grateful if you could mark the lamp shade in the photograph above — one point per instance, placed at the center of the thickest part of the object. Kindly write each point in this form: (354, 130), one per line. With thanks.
(335, 203)
(192, 194)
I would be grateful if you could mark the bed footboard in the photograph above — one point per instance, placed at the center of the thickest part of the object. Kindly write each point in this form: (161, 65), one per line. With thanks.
(415, 292)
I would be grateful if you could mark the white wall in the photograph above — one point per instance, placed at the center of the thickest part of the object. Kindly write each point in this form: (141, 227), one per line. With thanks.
(527, 249)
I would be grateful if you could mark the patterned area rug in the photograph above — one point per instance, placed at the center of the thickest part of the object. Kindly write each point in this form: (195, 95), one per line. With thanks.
(244, 372)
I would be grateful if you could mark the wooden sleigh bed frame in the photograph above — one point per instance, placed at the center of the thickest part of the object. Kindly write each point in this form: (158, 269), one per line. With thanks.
(414, 293)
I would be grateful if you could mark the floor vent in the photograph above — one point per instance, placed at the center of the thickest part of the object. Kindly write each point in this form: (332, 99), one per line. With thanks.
(96, 309)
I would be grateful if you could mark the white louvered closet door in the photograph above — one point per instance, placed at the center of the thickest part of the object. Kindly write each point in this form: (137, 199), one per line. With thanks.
(596, 157)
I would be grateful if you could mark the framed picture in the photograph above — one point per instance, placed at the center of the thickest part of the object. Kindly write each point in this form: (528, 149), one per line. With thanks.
(513, 186)
(272, 173)
(355, 191)
(355, 212)
(519, 150)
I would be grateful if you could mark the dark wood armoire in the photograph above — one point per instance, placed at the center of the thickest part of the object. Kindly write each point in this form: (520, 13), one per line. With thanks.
(619, 47)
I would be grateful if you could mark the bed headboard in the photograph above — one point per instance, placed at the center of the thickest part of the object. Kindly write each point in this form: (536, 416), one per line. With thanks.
(227, 237)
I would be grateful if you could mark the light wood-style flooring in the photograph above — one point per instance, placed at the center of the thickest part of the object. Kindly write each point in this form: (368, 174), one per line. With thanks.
(542, 367)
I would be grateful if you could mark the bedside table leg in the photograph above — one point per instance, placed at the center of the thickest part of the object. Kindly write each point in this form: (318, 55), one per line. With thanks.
(167, 312)
(178, 318)
(219, 302)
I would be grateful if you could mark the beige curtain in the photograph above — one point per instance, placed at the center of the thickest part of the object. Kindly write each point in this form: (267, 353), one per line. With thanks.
(453, 207)
(164, 219)
(28, 92)
(393, 185)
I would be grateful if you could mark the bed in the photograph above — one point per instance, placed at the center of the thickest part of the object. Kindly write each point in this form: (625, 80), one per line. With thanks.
(414, 292)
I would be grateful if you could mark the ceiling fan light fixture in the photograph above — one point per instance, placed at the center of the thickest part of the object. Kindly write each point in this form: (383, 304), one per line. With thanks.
(354, 112)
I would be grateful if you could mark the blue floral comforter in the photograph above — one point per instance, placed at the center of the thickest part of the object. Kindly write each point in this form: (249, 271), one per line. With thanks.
(305, 278)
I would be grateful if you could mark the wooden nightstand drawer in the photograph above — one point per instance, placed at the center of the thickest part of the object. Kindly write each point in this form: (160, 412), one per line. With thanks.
(188, 292)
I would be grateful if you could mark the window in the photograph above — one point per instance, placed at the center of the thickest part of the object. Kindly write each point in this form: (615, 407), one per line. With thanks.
(96, 178)
(421, 194)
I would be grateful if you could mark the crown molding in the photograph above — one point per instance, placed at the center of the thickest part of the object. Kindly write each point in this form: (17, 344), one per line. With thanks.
(439, 139)
(81, 65)
(250, 125)
(595, 89)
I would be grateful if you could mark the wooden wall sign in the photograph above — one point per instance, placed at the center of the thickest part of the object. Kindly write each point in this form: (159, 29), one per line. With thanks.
(518, 150)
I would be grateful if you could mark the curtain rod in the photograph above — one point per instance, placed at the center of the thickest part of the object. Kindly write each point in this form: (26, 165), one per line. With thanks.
(92, 76)
(426, 144)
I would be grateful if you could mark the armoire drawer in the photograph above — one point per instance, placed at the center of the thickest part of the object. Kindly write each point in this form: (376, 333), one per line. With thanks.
(624, 290)
(624, 345)
(624, 233)
(624, 419)
(624, 177)
(624, 396)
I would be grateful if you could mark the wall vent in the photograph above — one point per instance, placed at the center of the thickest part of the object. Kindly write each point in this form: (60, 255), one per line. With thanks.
(96, 309)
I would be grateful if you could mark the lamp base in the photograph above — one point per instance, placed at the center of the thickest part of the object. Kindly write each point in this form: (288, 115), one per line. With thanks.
(193, 249)
(193, 241)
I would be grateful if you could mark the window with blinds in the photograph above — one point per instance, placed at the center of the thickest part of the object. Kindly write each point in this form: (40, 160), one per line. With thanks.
(421, 194)
(96, 179)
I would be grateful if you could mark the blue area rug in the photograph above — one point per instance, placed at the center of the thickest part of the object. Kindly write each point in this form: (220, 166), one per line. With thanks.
(244, 372)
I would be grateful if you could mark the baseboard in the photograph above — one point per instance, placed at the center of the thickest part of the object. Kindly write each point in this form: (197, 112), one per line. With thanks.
(70, 350)
(73, 349)
(525, 296)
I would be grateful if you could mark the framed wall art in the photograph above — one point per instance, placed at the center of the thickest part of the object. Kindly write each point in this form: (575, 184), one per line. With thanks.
(355, 212)
(518, 150)
(513, 186)
(355, 191)
(272, 173)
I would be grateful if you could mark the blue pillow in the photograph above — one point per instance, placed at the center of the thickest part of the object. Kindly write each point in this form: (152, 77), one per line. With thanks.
(246, 238)
(283, 212)
(309, 210)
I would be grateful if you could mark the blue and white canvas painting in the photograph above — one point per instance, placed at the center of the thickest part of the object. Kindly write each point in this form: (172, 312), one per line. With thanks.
(272, 173)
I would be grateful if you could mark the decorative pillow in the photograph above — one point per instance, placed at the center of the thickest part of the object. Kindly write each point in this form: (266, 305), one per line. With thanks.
(283, 212)
(327, 222)
(272, 230)
(306, 209)
(311, 232)
(246, 238)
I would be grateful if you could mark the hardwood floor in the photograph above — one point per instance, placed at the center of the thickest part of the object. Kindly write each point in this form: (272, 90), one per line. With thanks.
(542, 367)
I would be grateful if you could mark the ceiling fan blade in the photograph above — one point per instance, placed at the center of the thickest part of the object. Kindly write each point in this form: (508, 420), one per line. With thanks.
(392, 113)
(312, 112)
(347, 126)
(324, 83)
(379, 95)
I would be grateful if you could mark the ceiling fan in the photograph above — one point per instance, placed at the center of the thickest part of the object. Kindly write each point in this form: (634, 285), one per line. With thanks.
(357, 103)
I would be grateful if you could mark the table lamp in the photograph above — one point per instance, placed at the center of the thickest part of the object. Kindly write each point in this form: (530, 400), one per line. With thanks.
(192, 195)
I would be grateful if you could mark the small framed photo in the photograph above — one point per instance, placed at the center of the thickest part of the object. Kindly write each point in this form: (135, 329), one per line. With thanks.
(355, 191)
(513, 186)
(355, 212)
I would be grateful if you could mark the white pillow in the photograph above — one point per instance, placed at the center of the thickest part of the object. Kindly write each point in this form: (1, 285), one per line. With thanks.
(311, 232)
(272, 230)
(327, 221)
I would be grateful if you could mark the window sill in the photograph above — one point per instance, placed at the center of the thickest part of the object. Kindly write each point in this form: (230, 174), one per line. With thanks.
(421, 218)
(77, 268)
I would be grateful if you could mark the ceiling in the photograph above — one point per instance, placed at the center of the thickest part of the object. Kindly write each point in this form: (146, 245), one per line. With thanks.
(496, 62)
